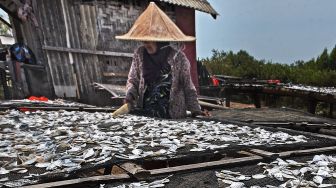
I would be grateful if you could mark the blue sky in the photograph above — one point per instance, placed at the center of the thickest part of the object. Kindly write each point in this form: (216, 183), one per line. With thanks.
(281, 31)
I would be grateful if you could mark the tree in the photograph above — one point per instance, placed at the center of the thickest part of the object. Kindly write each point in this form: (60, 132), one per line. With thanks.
(323, 60)
(332, 59)
(317, 72)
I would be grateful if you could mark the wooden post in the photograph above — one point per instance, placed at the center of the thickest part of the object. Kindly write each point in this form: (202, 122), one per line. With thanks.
(331, 110)
(256, 99)
(227, 94)
(312, 103)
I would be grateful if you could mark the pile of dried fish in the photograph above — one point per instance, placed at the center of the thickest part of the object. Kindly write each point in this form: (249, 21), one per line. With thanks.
(62, 141)
(57, 102)
(325, 90)
(142, 184)
(293, 174)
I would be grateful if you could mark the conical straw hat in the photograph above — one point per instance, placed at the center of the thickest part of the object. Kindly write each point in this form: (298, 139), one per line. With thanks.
(154, 25)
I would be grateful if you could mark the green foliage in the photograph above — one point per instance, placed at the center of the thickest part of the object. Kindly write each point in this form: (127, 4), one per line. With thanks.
(4, 29)
(319, 72)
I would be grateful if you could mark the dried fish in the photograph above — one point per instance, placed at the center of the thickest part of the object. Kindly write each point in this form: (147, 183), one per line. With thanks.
(137, 151)
(42, 165)
(88, 153)
(278, 176)
(62, 140)
(237, 185)
(4, 179)
(327, 185)
(3, 171)
(318, 179)
(30, 161)
(258, 176)
(243, 178)
(54, 165)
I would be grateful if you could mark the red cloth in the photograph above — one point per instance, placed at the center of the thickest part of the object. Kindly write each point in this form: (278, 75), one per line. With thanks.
(34, 98)
(215, 81)
(273, 81)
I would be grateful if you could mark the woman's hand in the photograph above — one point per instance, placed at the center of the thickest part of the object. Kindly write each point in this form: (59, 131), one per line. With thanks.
(124, 109)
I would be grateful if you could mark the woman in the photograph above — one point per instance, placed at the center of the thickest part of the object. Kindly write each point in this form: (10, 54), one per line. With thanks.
(159, 81)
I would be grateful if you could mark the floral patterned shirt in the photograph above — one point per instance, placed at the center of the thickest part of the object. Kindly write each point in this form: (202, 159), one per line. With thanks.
(183, 95)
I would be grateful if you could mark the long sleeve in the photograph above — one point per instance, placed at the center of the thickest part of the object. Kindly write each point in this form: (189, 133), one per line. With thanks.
(189, 88)
(132, 86)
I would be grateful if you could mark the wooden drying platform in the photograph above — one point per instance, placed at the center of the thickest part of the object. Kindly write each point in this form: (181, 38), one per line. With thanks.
(136, 172)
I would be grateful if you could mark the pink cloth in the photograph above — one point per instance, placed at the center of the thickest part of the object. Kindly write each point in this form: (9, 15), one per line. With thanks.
(183, 95)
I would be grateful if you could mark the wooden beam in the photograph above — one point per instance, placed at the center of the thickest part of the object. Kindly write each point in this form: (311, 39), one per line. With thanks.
(246, 153)
(102, 86)
(328, 131)
(265, 154)
(85, 51)
(94, 179)
(115, 74)
(309, 133)
(307, 151)
(206, 104)
(206, 165)
(274, 124)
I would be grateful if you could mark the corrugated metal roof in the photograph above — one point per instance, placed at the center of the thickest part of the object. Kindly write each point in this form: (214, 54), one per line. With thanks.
(201, 5)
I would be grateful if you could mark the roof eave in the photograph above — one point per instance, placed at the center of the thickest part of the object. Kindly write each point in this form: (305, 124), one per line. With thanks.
(200, 5)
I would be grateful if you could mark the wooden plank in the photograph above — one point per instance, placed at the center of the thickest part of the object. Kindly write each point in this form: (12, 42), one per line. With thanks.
(307, 151)
(115, 74)
(86, 51)
(206, 165)
(136, 170)
(328, 131)
(114, 94)
(94, 179)
(265, 154)
(245, 153)
(206, 104)
(274, 124)
(308, 133)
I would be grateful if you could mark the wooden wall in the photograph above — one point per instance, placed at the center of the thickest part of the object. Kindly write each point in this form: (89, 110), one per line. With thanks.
(80, 46)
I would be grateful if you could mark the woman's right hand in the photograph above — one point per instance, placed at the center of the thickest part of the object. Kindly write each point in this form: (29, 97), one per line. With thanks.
(124, 109)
